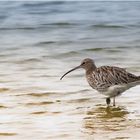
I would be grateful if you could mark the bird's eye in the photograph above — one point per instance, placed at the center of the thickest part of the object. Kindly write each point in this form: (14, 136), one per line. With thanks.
(83, 63)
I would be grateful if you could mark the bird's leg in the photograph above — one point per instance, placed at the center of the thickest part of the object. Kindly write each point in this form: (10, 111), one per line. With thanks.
(113, 101)
(108, 101)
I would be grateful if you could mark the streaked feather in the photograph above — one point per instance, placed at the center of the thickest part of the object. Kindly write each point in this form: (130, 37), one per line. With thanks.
(104, 77)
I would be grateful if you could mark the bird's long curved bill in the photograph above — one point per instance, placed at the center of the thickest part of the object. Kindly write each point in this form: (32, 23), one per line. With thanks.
(70, 71)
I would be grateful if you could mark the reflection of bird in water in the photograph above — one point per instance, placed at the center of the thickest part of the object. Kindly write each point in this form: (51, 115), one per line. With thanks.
(108, 80)
(102, 112)
(105, 119)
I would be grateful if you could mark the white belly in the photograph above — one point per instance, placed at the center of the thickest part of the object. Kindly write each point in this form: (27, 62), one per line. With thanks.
(114, 90)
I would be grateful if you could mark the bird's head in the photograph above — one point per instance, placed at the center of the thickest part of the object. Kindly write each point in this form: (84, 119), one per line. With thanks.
(87, 64)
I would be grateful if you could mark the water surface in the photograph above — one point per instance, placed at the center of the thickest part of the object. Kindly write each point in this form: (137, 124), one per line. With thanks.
(39, 42)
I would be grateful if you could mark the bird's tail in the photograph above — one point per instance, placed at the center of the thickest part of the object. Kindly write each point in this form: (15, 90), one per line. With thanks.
(138, 79)
(135, 82)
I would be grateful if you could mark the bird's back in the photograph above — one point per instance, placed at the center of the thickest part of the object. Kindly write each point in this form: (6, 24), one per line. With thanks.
(106, 76)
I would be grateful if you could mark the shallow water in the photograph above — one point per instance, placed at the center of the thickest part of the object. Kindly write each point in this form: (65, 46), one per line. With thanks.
(39, 42)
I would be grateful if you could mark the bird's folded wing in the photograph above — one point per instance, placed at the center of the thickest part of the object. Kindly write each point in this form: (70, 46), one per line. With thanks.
(107, 76)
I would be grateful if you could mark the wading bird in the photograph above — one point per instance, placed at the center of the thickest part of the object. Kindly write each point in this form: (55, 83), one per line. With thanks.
(108, 80)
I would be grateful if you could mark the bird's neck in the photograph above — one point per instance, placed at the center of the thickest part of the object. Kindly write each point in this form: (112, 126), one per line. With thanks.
(90, 69)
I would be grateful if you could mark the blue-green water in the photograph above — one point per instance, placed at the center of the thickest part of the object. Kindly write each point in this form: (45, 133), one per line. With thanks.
(40, 41)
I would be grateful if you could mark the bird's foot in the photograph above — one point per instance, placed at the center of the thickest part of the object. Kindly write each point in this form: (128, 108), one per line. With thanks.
(108, 101)
(113, 101)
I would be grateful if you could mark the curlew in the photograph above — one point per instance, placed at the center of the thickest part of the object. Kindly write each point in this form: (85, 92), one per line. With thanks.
(110, 81)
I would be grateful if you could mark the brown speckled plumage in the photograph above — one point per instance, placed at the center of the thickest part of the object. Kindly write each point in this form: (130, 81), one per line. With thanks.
(104, 77)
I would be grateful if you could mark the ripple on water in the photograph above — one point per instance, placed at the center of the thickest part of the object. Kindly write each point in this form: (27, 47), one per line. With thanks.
(80, 100)
(39, 112)
(120, 138)
(39, 103)
(105, 50)
(44, 43)
(94, 49)
(26, 61)
(7, 134)
(105, 119)
(66, 54)
(107, 26)
(44, 94)
(45, 113)
(4, 89)
(3, 107)
(109, 113)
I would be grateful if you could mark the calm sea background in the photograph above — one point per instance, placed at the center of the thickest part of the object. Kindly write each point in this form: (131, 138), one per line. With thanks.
(39, 42)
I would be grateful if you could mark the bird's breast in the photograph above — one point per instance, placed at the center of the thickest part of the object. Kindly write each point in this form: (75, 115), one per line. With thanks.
(92, 81)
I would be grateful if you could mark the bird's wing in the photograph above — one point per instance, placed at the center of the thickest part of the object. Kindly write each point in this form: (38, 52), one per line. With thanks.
(107, 76)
